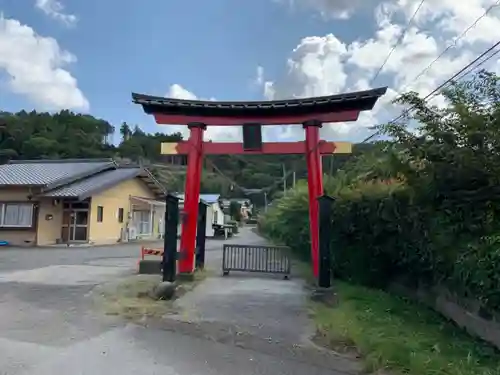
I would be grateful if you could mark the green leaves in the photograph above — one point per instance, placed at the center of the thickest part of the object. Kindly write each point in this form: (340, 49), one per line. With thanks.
(424, 209)
(38, 135)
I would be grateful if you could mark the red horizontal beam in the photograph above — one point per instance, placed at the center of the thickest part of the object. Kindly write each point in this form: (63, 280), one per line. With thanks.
(284, 148)
(270, 120)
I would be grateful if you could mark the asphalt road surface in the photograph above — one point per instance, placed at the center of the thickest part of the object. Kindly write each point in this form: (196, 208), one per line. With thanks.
(227, 325)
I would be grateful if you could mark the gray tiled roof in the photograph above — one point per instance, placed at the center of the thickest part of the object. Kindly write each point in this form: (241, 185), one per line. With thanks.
(101, 181)
(161, 101)
(47, 172)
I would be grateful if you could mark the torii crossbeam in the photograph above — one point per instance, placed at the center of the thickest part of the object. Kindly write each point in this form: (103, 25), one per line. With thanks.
(311, 113)
(284, 148)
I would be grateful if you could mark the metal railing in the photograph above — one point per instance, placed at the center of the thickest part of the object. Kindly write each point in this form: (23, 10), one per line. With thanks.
(251, 258)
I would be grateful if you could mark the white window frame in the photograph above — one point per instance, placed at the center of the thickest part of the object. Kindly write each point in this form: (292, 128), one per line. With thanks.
(4, 205)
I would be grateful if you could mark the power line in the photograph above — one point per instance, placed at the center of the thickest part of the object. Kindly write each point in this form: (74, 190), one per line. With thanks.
(460, 74)
(463, 71)
(454, 43)
(243, 189)
(450, 46)
(398, 42)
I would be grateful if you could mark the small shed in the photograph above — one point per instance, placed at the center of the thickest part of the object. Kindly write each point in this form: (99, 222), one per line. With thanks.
(215, 215)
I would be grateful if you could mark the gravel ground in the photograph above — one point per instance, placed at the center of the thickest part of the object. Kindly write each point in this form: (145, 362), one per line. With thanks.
(226, 325)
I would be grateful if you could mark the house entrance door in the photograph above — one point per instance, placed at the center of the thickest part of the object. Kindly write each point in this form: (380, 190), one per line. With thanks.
(142, 221)
(75, 225)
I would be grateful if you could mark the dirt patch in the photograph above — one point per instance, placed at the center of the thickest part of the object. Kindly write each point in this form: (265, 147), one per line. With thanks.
(229, 334)
(131, 298)
(339, 345)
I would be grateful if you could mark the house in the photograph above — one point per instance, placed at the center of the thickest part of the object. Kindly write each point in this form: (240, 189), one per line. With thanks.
(46, 202)
(215, 215)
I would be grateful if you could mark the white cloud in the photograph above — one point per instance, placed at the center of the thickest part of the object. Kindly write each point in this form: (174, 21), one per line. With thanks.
(178, 92)
(35, 68)
(55, 10)
(324, 65)
(259, 78)
(214, 133)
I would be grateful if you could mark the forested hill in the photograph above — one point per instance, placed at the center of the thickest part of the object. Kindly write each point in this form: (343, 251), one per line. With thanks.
(37, 135)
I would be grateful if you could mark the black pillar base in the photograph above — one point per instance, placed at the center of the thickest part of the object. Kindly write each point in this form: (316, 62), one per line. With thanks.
(325, 230)
(170, 238)
(201, 235)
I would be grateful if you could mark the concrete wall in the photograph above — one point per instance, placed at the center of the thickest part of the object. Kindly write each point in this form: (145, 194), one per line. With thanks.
(220, 213)
(209, 230)
(466, 313)
(110, 230)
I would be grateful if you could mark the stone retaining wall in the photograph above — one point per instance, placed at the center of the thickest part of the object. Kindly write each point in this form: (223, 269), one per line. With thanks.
(466, 313)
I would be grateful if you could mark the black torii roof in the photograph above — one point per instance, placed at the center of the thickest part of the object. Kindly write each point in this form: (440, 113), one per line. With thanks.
(353, 101)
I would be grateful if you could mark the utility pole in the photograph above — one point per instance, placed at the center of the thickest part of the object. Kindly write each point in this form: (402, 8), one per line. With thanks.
(293, 181)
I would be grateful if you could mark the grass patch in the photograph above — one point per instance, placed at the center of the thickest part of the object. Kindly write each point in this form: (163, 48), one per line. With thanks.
(396, 334)
(131, 298)
(304, 270)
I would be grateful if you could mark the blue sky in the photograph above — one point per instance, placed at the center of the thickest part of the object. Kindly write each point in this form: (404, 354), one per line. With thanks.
(210, 48)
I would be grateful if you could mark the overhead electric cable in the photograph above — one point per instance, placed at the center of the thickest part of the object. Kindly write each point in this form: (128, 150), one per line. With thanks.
(450, 46)
(454, 43)
(460, 74)
(243, 189)
(398, 42)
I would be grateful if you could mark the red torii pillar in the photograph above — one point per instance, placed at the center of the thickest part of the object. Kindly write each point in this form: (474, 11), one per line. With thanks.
(314, 185)
(310, 112)
(313, 148)
(191, 197)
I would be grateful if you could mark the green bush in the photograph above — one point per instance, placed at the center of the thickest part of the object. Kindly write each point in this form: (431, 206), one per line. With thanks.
(423, 208)
(235, 210)
(382, 234)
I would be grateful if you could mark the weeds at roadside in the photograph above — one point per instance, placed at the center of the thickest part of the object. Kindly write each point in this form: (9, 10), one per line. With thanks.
(397, 335)
(131, 298)
(391, 333)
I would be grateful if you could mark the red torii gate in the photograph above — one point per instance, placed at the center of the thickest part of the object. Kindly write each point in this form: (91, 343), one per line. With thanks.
(311, 113)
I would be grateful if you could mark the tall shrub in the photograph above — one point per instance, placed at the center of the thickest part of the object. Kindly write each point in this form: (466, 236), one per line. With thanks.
(426, 209)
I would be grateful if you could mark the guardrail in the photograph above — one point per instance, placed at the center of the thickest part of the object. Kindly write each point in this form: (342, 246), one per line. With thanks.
(251, 258)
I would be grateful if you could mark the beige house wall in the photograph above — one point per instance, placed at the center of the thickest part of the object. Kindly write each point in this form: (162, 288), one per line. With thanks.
(110, 230)
(21, 236)
(47, 221)
(50, 218)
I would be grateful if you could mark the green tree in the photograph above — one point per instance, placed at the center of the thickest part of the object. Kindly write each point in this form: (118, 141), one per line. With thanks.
(235, 210)
(422, 209)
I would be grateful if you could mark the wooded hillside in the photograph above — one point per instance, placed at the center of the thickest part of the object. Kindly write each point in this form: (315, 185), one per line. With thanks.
(37, 135)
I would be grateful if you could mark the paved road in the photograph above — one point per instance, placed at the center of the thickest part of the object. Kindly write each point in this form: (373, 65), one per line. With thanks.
(232, 325)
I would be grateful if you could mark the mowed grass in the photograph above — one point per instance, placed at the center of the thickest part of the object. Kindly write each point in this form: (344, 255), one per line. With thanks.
(400, 336)
(131, 298)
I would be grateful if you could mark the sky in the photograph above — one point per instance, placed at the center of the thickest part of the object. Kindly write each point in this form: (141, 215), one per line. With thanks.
(90, 55)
